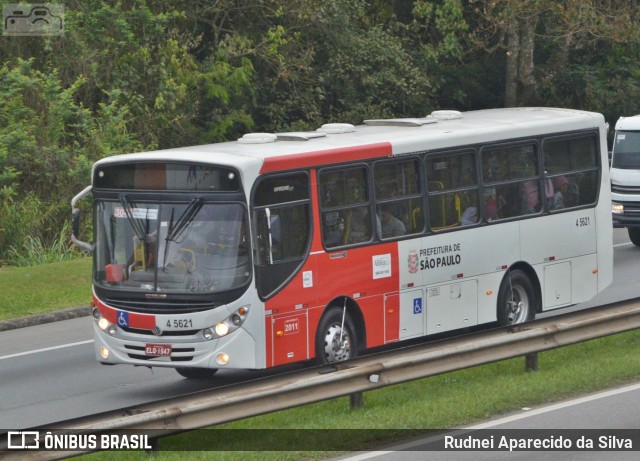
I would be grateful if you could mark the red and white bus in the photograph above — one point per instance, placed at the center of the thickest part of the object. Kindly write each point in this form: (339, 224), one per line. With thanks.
(280, 248)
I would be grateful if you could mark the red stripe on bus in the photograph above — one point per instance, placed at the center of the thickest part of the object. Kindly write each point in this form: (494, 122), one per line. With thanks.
(135, 320)
(325, 157)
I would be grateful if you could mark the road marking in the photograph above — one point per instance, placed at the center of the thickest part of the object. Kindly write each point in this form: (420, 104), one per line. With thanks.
(508, 419)
(557, 406)
(46, 349)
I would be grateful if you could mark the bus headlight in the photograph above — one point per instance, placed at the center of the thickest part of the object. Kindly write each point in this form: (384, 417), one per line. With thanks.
(617, 208)
(104, 324)
(208, 334)
(228, 325)
(222, 329)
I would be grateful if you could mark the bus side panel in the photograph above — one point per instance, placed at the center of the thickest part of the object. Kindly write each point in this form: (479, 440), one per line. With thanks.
(380, 319)
(364, 275)
(488, 288)
(286, 321)
(461, 272)
(289, 336)
(557, 256)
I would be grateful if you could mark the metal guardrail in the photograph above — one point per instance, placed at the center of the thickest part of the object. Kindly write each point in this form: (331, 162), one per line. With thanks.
(221, 405)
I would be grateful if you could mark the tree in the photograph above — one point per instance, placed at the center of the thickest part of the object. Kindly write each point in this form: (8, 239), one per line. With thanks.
(518, 28)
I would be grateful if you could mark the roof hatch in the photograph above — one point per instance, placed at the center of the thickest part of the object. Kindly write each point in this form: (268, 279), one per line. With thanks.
(257, 138)
(446, 114)
(401, 121)
(300, 135)
(337, 128)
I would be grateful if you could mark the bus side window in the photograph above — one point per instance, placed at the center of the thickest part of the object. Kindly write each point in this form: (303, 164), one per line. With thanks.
(453, 190)
(512, 185)
(398, 197)
(345, 208)
(572, 167)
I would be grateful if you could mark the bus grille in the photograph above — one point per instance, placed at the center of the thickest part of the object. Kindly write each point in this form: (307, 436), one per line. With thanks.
(159, 307)
(625, 189)
(138, 331)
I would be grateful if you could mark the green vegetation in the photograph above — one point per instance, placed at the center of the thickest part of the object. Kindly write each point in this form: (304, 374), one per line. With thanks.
(154, 74)
(450, 400)
(44, 288)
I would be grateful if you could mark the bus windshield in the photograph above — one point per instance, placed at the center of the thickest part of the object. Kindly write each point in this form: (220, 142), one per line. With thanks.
(626, 151)
(194, 247)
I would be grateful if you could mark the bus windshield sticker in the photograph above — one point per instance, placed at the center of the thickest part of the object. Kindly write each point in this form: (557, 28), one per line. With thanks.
(137, 213)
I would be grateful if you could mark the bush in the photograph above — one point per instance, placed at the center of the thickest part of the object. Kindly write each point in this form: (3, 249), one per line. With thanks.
(34, 251)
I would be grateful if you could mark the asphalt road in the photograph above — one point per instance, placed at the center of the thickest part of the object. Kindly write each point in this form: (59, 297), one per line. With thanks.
(48, 372)
(588, 416)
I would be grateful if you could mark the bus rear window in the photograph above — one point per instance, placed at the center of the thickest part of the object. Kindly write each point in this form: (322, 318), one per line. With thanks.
(166, 176)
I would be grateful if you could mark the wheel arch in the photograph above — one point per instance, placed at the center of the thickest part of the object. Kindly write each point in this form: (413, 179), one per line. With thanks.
(355, 312)
(533, 277)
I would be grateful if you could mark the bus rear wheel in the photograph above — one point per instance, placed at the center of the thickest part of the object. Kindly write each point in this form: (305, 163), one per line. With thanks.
(516, 299)
(197, 373)
(634, 235)
(336, 337)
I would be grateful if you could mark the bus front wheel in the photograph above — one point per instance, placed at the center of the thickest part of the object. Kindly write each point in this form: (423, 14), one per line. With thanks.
(634, 235)
(516, 299)
(197, 373)
(336, 337)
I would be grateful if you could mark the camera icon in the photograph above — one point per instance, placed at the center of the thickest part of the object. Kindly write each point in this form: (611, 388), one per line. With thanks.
(44, 19)
(23, 440)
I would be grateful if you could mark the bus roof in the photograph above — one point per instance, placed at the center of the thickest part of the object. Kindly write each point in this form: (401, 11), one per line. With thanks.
(628, 123)
(377, 138)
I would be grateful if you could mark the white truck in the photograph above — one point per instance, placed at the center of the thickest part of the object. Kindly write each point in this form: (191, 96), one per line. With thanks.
(625, 176)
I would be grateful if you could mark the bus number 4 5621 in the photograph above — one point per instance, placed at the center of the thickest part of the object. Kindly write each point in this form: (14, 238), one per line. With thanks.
(582, 222)
(179, 323)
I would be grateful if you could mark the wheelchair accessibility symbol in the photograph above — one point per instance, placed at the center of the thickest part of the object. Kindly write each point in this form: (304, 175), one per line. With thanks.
(417, 306)
(123, 319)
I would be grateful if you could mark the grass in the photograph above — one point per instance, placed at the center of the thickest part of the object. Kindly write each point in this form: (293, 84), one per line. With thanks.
(43, 288)
(450, 400)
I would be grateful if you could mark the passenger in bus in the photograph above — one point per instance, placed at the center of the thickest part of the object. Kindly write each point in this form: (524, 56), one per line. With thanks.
(391, 226)
(469, 216)
(359, 226)
(530, 197)
(568, 190)
(490, 204)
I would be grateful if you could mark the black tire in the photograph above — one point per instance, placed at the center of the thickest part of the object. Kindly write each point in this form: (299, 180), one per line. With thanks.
(197, 373)
(333, 342)
(634, 235)
(516, 299)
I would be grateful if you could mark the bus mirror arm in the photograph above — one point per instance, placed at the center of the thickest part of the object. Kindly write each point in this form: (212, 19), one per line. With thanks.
(75, 224)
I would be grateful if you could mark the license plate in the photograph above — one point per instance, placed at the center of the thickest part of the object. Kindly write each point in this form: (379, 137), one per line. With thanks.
(157, 350)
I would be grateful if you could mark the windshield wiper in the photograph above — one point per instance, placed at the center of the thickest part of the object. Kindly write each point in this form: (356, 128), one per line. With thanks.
(136, 224)
(174, 231)
(185, 219)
